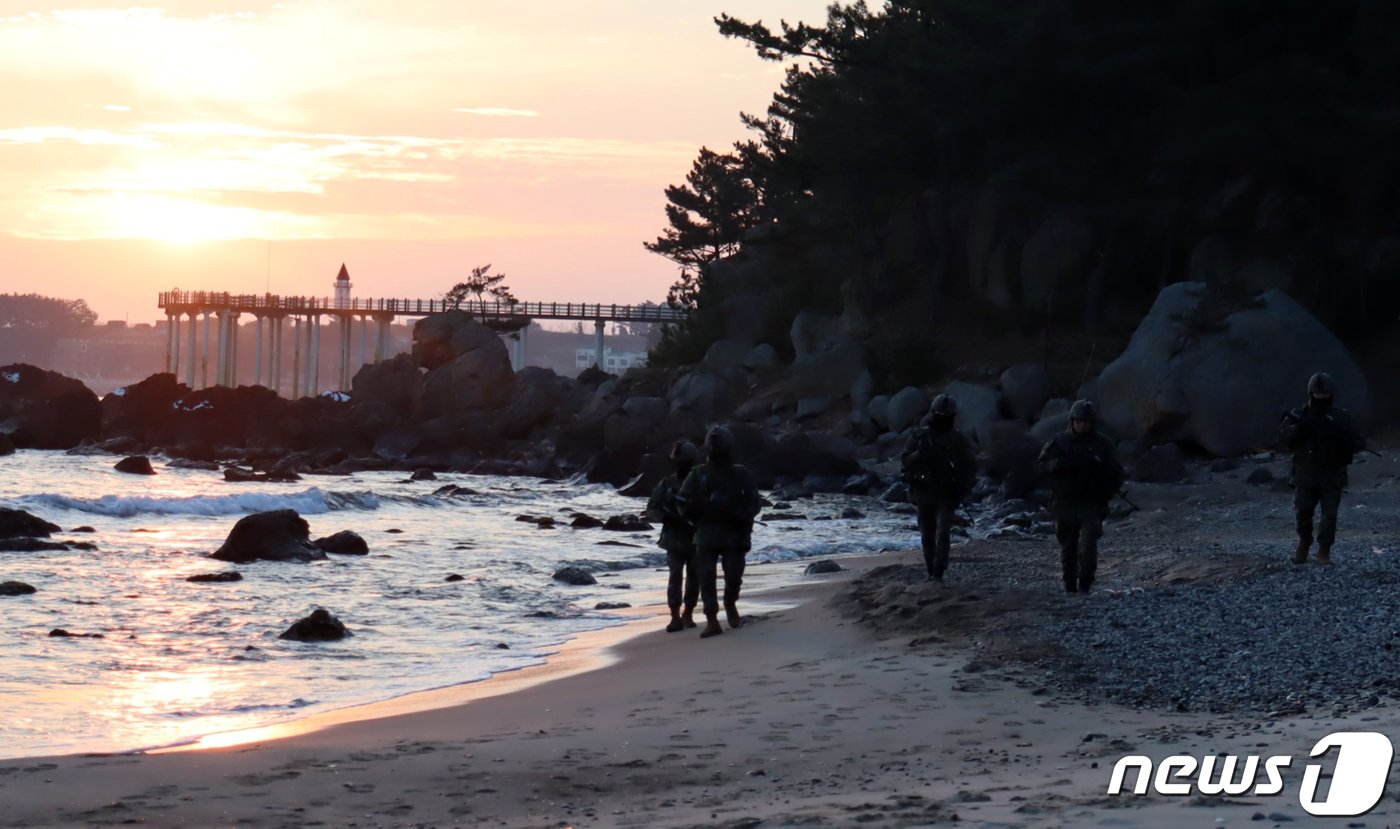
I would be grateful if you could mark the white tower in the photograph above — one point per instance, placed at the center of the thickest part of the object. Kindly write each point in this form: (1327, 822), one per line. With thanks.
(342, 288)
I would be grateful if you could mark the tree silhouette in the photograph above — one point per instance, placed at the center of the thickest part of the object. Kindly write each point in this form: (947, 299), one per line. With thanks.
(30, 324)
(480, 284)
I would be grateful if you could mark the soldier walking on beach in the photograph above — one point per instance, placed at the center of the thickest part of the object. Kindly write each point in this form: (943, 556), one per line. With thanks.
(940, 469)
(1084, 476)
(1323, 439)
(677, 537)
(720, 497)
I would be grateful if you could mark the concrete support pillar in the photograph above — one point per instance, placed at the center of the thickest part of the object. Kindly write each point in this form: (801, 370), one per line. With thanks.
(598, 344)
(342, 381)
(296, 359)
(364, 337)
(204, 357)
(175, 335)
(524, 346)
(307, 363)
(189, 369)
(169, 343)
(381, 345)
(315, 387)
(233, 350)
(274, 360)
(221, 375)
(258, 350)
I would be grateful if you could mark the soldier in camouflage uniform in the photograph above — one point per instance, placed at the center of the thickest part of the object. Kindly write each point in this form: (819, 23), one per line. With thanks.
(677, 537)
(1084, 476)
(940, 469)
(720, 497)
(1323, 440)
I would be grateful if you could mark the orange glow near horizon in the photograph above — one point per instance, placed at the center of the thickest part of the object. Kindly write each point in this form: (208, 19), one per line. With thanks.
(241, 145)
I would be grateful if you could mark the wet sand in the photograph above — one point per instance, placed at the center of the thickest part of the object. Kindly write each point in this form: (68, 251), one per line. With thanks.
(801, 718)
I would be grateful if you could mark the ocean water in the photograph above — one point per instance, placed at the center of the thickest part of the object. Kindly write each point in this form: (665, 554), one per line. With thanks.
(179, 660)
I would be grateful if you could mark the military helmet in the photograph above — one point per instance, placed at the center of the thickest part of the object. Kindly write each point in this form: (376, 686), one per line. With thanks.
(1321, 385)
(719, 440)
(685, 452)
(943, 405)
(1084, 410)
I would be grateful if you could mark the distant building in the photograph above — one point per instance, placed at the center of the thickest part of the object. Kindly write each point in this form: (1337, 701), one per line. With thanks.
(614, 362)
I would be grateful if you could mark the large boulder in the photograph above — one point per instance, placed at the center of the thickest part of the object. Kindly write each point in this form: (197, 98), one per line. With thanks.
(44, 410)
(830, 374)
(814, 333)
(394, 383)
(723, 355)
(320, 626)
(142, 411)
(439, 339)
(1026, 387)
(343, 543)
(540, 397)
(1217, 374)
(704, 393)
(135, 465)
(905, 408)
(976, 405)
(16, 523)
(478, 379)
(277, 535)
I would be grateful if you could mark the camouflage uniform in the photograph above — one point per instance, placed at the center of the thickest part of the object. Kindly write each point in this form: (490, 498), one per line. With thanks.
(1323, 440)
(940, 469)
(1084, 476)
(722, 500)
(678, 540)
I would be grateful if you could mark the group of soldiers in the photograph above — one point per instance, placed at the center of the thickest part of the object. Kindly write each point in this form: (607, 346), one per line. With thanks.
(1085, 475)
(707, 510)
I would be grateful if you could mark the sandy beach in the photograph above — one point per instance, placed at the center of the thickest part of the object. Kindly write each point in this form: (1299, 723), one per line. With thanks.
(803, 717)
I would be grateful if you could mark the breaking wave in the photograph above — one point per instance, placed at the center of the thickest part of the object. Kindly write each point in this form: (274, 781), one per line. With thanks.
(308, 502)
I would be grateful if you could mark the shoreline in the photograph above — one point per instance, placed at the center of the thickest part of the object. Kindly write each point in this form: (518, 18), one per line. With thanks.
(802, 717)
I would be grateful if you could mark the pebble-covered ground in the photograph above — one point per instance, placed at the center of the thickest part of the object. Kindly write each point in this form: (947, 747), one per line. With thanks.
(1197, 608)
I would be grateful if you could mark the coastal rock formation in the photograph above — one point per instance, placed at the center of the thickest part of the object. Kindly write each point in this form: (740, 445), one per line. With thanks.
(574, 575)
(1026, 387)
(215, 578)
(344, 543)
(1217, 371)
(277, 535)
(320, 626)
(142, 411)
(44, 410)
(16, 523)
(135, 465)
(16, 588)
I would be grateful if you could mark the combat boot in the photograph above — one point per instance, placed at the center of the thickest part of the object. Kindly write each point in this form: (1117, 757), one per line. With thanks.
(712, 627)
(1301, 554)
(1324, 554)
(688, 616)
(676, 623)
(731, 614)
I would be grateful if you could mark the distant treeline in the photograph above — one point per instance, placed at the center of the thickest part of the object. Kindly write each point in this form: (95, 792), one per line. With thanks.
(1053, 162)
(30, 324)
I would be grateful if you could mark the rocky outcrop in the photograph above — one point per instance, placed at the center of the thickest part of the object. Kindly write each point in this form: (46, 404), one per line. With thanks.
(44, 410)
(16, 588)
(394, 383)
(343, 543)
(135, 465)
(278, 535)
(16, 523)
(574, 575)
(142, 411)
(1217, 373)
(320, 626)
(1026, 387)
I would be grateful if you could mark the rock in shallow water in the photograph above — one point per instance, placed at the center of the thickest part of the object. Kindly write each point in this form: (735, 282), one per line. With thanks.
(320, 626)
(278, 535)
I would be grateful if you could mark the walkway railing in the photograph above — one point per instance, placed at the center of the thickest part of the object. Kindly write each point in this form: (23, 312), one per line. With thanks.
(275, 305)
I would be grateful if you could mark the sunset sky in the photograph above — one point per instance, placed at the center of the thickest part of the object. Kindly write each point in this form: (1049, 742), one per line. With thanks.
(247, 146)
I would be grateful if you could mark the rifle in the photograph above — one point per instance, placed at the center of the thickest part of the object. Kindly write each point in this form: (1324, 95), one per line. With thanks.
(1123, 493)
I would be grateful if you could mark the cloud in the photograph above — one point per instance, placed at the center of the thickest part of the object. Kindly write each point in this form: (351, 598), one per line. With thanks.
(499, 112)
